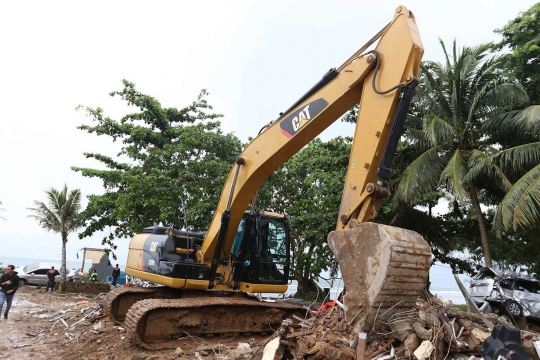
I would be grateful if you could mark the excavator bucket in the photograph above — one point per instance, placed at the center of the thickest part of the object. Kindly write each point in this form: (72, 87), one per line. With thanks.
(384, 269)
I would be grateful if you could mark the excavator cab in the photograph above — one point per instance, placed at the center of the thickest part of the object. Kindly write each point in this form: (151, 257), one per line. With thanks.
(260, 251)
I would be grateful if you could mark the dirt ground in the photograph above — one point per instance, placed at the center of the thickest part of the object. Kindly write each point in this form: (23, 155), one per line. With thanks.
(36, 330)
(73, 326)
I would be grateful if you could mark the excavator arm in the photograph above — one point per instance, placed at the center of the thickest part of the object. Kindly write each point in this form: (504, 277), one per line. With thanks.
(383, 82)
(384, 268)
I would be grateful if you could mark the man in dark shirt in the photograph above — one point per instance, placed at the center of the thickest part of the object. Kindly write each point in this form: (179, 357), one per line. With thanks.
(115, 274)
(9, 283)
(51, 274)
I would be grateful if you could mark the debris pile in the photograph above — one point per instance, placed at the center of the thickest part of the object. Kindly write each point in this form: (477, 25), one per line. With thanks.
(432, 330)
(64, 325)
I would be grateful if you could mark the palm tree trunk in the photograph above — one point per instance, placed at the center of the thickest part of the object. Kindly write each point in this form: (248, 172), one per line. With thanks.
(481, 225)
(63, 267)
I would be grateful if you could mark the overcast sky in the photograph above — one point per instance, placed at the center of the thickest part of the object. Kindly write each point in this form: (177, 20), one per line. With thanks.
(255, 58)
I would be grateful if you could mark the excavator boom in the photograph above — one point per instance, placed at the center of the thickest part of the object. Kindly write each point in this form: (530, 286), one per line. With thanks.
(383, 267)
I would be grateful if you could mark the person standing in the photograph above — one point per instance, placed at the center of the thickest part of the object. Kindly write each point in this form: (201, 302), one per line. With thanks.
(116, 274)
(9, 283)
(51, 274)
(93, 276)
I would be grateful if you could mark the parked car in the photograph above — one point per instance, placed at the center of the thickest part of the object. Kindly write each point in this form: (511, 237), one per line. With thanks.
(36, 274)
(506, 292)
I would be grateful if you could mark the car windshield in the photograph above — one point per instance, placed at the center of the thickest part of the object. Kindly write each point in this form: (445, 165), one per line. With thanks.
(527, 286)
(30, 267)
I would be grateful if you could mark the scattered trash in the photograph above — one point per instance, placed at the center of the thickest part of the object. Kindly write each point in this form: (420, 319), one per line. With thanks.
(269, 352)
(433, 329)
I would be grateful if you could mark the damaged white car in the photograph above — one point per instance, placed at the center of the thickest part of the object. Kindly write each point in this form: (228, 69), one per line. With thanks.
(506, 292)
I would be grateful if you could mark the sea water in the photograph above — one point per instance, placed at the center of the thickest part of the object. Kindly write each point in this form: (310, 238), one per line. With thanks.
(18, 262)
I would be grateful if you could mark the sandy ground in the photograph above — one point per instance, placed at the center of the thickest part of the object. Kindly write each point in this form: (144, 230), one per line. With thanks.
(36, 330)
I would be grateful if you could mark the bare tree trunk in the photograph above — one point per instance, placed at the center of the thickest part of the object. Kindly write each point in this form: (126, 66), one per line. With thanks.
(480, 218)
(63, 267)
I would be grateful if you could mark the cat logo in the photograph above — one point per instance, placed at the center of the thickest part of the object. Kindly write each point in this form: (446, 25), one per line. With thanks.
(154, 245)
(298, 119)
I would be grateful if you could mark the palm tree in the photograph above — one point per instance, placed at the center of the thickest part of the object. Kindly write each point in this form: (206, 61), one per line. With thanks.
(60, 215)
(520, 207)
(454, 101)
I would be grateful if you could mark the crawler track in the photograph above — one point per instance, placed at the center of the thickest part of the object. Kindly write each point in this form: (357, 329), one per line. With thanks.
(119, 300)
(158, 323)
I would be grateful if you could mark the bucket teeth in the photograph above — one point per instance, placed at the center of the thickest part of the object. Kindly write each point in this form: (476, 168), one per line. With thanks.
(384, 269)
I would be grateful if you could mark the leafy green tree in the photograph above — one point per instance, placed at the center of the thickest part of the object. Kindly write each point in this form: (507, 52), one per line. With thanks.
(518, 249)
(522, 36)
(170, 157)
(308, 188)
(59, 214)
(455, 99)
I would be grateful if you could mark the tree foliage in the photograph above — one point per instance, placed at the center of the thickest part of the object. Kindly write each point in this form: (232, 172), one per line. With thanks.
(308, 188)
(60, 213)
(522, 36)
(519, 209)
(169, 158)
(454, 101)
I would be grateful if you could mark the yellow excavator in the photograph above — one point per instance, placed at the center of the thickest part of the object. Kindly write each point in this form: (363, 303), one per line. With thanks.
(207, 276)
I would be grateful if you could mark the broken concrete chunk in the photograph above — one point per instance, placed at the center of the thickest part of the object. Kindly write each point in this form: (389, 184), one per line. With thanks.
(402, 329)
(467, 324)
(424, 350)
(480, 335)
(411, 343)
(421, 331)
(431, 319)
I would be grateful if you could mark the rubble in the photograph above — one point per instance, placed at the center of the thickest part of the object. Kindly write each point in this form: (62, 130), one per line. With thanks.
(433, 330)
(58, 328)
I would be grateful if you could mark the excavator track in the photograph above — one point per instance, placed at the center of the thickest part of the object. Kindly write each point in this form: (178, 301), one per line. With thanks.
(119, 300)
(159, 323)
